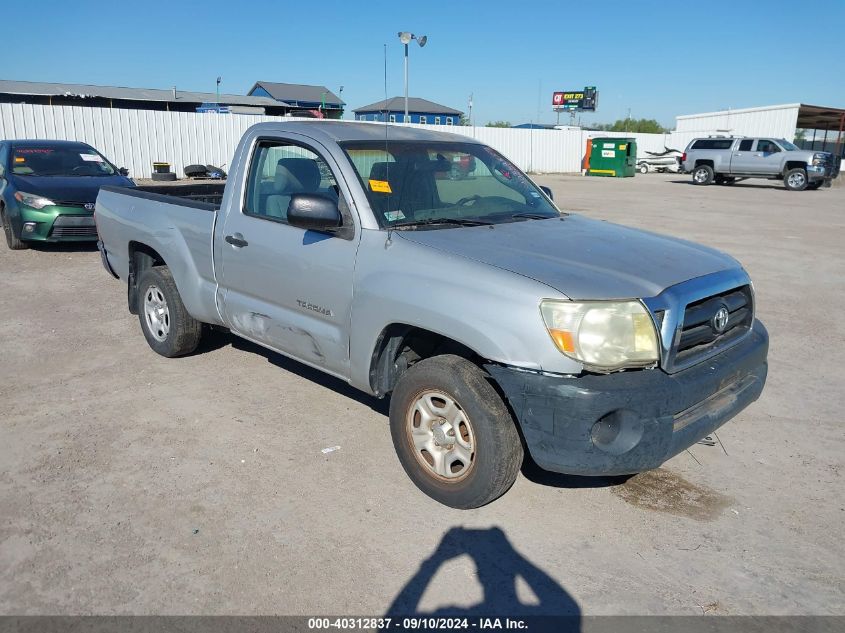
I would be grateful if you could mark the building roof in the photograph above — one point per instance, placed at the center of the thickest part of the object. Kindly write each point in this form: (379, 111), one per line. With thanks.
(415, 104)
(782, 106)
(298, 92)
(808, 117)
(129, 94)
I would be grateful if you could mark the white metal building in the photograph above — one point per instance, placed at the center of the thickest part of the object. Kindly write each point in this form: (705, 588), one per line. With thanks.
(779, 121)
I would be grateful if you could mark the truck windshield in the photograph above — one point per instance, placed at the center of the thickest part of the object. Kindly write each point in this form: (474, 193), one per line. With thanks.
(789, 147)
(425, 184)
(59, 161)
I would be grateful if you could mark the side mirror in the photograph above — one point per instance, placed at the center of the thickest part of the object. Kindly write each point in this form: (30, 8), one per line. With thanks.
(123, 171)
(548, 192)
(313, 212)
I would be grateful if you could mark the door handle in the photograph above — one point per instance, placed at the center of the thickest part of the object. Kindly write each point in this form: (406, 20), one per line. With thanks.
(237, 240)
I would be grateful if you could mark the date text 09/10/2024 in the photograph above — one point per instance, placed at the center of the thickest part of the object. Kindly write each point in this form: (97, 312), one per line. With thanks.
(416, 623)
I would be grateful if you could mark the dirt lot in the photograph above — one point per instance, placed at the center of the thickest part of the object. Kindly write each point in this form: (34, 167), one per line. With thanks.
(134, 484)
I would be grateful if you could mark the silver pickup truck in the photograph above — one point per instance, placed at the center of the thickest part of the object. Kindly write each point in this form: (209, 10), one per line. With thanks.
(728, 160)
(494, 321)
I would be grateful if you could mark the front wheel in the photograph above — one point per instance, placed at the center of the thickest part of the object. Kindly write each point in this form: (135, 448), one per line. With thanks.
(453, 434)
(166, 324)
(795, 179)
(12, 241)
(702, 175)
(643, 168)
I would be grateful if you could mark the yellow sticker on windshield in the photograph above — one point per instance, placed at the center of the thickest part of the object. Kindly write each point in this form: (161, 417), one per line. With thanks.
(381, 186)
(20, 159)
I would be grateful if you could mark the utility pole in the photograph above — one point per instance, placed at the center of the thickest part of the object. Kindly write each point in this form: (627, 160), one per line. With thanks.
(469, 105)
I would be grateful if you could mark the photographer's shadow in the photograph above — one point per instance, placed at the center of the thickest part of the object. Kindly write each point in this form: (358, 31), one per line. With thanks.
(498, 565)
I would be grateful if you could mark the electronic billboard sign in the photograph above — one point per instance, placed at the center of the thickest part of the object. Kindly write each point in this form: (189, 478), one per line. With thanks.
(585, 100)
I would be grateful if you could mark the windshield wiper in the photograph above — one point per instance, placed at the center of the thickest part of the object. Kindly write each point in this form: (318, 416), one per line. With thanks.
(435, 221)
(532, 216)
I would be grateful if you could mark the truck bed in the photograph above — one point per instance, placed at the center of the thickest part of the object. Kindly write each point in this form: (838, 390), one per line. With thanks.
(178, 229)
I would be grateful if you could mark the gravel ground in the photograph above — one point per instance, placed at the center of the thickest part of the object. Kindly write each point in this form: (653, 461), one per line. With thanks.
(130, 483)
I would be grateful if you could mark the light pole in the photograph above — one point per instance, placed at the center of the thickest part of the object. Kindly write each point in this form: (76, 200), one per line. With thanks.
(219, 79)
(405, 37)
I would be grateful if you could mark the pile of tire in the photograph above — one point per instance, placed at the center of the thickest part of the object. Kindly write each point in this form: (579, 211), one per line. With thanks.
(204, 172)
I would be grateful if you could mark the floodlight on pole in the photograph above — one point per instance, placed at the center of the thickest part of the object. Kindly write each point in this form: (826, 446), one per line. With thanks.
(405, 37)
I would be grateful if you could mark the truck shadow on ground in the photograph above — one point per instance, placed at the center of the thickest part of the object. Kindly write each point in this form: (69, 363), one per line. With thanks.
(736, 185)
(216, 339)
(533, 473)
(498, 567)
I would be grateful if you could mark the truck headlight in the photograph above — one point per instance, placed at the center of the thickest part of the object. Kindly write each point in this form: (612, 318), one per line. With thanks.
(33, 200)
(603, 335)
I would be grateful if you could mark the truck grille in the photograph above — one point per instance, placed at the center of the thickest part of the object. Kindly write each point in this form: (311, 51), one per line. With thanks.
(703, 328)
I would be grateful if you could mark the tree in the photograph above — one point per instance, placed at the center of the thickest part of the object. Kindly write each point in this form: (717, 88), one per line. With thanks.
(648, 126)
(499, 124)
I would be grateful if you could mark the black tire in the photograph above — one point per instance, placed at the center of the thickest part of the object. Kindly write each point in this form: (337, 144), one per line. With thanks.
(196, 171)
(164, 177)
(815, 185)
(795, 179)
(12, 241)
(211, 169)
(702, 175)
(182, 332)
(643, 168)
(496, 448)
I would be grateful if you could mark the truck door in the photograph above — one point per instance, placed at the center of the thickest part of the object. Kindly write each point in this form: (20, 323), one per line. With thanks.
(742, 158)
(285, 287)
(769, 157)
(761, 158)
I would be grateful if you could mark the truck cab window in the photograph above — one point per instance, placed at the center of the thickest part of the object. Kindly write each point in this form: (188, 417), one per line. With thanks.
(277, 172)
(767, 147)
(745, 146)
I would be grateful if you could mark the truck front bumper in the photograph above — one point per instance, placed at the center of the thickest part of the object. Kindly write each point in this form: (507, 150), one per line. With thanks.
(632, 421)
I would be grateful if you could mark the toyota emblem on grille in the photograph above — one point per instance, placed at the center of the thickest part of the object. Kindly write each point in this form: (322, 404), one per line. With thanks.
(89, 206)
(720, 320)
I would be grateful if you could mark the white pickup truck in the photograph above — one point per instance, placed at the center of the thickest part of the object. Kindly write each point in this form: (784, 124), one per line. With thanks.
(494, 321)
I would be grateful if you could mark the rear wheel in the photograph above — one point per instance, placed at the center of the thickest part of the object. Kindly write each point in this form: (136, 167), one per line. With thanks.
(166, 324)
(12, 241)
(643, 168)
(795, 179)
(453, 434)
(702, 175)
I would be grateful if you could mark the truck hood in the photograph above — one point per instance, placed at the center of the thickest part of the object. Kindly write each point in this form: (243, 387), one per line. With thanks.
(80, 189)
(580, 257)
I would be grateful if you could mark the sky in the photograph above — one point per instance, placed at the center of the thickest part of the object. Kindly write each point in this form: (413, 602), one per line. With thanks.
(656, 59)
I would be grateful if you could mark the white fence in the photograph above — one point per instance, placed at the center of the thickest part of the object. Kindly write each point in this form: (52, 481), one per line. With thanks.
(137, 138)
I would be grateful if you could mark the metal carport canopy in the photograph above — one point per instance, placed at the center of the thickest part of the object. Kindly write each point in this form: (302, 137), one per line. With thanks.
(812, 117)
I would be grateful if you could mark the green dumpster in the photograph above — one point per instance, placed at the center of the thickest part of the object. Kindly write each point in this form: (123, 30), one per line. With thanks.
(612, 157)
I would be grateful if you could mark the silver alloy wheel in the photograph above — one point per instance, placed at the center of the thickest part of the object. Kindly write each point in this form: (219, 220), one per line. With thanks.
(441, 435)
(700, 175)
(797, 180)
(156, 313)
